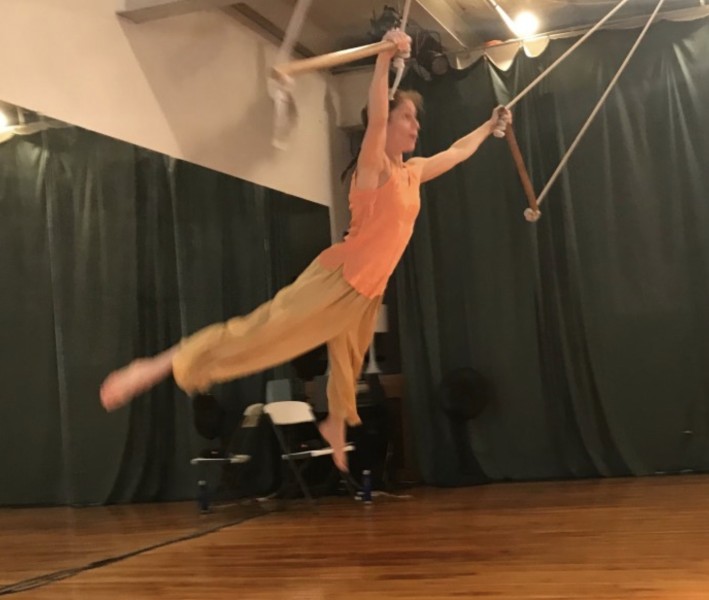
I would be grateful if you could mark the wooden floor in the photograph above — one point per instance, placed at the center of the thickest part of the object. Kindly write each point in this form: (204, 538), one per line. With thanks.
(613, 539)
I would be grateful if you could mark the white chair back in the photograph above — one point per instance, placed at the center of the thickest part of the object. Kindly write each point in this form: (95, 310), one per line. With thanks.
(289, 412)
(252, 413)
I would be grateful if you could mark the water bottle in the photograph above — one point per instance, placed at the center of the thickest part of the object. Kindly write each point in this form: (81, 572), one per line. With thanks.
(203, 497)
(367, 486)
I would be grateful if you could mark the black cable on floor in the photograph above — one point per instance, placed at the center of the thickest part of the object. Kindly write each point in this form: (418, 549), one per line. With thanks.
(42, 580)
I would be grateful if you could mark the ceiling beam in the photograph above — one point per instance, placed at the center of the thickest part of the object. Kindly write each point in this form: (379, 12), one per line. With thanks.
(256, 21)
(140, 11)
(438, 15)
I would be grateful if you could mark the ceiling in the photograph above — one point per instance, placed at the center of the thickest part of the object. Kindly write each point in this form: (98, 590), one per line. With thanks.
(461, 24)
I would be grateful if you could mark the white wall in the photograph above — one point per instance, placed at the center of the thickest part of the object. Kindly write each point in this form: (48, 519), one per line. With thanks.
(191, 86)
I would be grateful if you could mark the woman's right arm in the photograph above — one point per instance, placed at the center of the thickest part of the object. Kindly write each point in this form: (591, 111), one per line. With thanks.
(371, 157)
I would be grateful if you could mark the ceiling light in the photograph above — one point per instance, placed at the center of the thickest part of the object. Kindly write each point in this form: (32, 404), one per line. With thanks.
(526, 24)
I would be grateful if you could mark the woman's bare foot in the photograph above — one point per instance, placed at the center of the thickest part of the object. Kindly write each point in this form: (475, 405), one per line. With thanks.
(333, 431)
(121, 386)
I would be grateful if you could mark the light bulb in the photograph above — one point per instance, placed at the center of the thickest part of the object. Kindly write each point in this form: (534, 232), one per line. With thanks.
(3, 121)
(526, 24)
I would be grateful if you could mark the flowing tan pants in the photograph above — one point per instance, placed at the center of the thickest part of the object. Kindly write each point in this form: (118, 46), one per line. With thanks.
(319, 307)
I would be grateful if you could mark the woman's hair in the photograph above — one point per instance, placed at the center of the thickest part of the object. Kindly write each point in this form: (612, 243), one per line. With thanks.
(399, 97)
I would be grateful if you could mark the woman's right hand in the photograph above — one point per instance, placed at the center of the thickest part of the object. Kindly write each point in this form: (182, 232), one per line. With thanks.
(402, 41)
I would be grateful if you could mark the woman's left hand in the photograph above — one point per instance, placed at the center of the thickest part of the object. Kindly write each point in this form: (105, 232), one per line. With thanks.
(500, 119)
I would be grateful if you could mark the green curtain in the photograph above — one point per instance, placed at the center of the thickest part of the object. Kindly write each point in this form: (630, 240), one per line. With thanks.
(110, 252)
(592, 326)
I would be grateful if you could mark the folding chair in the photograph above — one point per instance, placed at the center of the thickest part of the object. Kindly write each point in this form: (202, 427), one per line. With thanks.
(250, 421)
(291, 412)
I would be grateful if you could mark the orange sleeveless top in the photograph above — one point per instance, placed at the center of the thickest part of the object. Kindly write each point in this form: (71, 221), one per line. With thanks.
(382, 221)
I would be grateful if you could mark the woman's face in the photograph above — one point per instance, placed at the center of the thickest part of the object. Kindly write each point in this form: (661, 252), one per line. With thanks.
(403, 127)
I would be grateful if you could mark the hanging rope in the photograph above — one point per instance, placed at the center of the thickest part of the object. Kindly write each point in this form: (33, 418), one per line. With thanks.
(556, 63)
(399, 60)
(499, 131)
(503, 129)
(280, 87)
(599, 105)
(283, 71)
(293, 31)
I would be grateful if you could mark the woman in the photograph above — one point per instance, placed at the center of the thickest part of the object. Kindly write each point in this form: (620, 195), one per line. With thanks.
(336, 299)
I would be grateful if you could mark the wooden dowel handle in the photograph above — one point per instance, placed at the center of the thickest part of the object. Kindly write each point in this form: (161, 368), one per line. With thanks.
(333, 59)
(522, 169)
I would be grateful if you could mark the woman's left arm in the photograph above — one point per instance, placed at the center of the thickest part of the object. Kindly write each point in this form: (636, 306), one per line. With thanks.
(461, 150)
